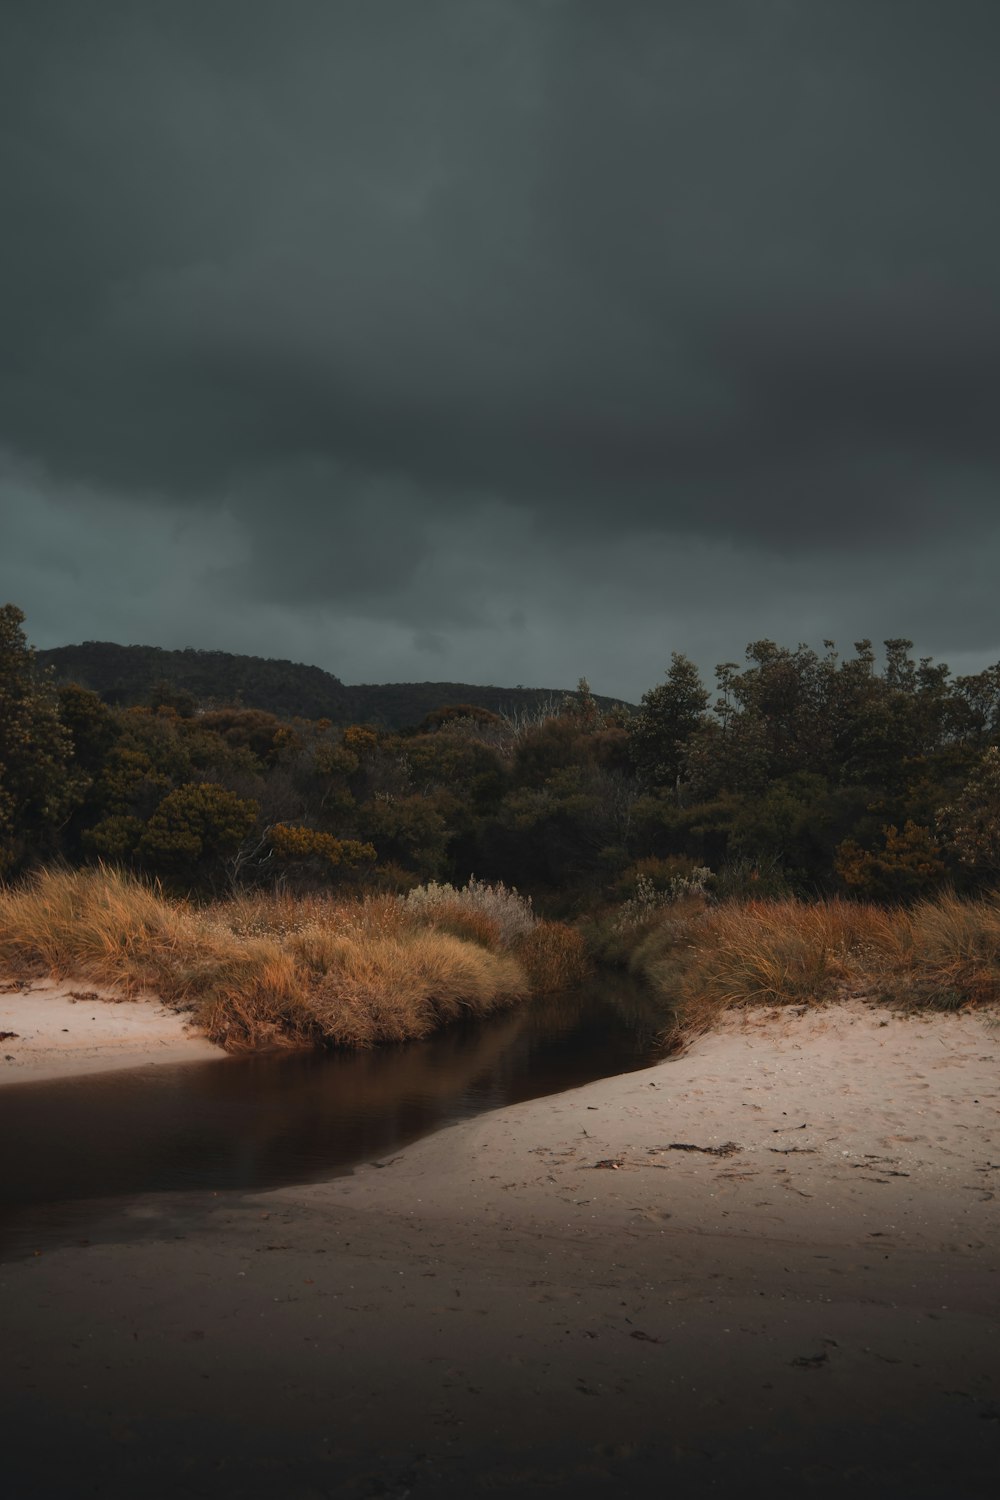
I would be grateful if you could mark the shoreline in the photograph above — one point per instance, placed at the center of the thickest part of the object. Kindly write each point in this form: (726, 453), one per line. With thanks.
(772, 1258)
(72, 1028)
(807, 1093)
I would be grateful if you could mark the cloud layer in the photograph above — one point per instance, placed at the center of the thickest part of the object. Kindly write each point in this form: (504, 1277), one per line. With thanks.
(501, 339)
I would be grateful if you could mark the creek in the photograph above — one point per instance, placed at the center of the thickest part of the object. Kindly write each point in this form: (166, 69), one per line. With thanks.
(81, 1153)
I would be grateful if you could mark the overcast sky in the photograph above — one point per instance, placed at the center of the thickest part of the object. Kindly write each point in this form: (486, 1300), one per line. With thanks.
(501, 340)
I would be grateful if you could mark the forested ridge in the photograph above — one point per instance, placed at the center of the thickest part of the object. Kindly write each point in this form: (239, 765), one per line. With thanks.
(126, 675)
(804, 771)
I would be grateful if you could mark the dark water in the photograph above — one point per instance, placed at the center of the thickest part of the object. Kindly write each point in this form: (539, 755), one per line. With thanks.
(75, 1152)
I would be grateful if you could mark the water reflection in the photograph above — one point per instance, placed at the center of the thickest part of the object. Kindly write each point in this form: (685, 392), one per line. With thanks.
(258, 1122)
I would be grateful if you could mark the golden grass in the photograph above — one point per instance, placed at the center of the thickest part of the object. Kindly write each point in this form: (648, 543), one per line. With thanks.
(948, 953)
(463, 921)
(397, 988)
(554, 956)
(277, 970)
(259, 970)
(941, 953)
(100, 925)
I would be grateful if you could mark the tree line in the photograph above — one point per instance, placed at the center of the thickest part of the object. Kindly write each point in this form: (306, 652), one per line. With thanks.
(804, 771)
(189, 679)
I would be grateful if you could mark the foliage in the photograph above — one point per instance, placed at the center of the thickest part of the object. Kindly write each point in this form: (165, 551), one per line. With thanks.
(221, 680)
(554, 957)
(245, 728)
(747, 878)
(93, 727)
(133, 674)
(38, 782)
(460, 712)
(509, 911)
(942, 952)
(398, 988)
(807, 772)
(324, 973)
(649, 898)
(291, 843)
(409, 829)
(360, 739)
(194, 827)
(908, 864)
(115, 838)
(972, 822)
(668, 717)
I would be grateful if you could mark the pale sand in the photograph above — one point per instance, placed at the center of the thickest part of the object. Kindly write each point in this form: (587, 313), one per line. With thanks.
(73, 1027)
(549, 1300)
(822, 1107)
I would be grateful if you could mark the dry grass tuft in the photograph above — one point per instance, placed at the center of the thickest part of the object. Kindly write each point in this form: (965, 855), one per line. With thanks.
(468, 922)
(555, 957)
(256, 1000)
(98, 924)
(948, 954)
(394, 988)
(262, 970)
(942, 953)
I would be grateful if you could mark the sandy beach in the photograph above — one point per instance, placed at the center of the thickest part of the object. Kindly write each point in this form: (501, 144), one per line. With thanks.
(769, 1265)
(61, 1029)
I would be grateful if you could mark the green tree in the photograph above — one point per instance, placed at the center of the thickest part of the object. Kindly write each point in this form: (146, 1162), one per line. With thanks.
(408, 830)
(92, 725)
(667, 720)
(38, 784)
(195, 828)
(971, 824)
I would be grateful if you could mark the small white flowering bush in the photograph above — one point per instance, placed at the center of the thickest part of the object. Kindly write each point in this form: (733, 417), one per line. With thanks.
(649, 898)
(502, 905)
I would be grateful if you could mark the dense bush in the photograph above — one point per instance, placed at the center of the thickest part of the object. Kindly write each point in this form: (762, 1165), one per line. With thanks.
(809, 774)
(195, 828)
(39, 781)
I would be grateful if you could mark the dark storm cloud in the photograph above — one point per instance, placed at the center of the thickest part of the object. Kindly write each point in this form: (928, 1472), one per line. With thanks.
(365, 277)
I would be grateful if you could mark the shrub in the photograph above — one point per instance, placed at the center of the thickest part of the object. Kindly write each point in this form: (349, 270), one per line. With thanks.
(649, 898)
(254, 997)
(293, 844)
(114, 838)
(745, 878)
(503, 905)
(466, 921)
(38, 783)
(908, 865)
(395, 988)
(195, 826)
(972, 825)
(946, 954)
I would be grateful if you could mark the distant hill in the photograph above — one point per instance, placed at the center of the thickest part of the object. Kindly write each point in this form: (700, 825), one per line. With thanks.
(131, 674)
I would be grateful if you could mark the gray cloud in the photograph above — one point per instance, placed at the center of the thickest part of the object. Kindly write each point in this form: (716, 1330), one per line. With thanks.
(365, 332)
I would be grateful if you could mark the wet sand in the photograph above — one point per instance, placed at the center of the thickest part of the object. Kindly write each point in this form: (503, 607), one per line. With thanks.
(769, 1266)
